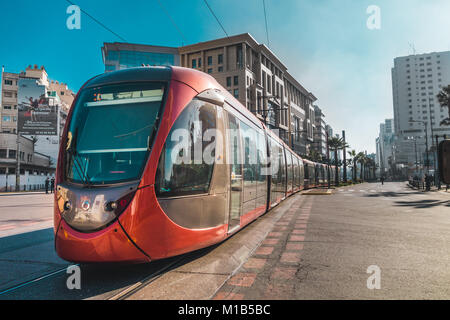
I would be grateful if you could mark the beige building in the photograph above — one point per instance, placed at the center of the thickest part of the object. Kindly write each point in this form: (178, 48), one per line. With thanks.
(9, 93)
(247, 69)
(253, 74)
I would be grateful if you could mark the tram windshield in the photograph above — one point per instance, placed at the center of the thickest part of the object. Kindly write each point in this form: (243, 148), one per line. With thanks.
(110, 132)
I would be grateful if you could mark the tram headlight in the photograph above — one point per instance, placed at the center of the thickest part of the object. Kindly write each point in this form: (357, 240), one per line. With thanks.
(87, 217)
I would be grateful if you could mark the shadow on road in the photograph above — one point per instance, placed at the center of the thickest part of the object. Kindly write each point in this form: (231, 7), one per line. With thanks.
(26, 239)
(97, 280)
(423, 204)
(392, 194)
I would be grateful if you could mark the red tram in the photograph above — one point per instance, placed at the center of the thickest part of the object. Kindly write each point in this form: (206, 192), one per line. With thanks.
(134, 182)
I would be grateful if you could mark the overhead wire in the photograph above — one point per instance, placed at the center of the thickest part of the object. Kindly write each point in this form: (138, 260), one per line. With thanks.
(98, 21)
(217, 19)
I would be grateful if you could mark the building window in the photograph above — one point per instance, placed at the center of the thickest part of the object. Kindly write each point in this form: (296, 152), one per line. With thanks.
(7, 107)
(8, 82)
(236, 80)
(220, 59)
(210, 61)
(236, 93)
(12, 154)
(3, 153)
(210, 70)
(220, 69)
(228, 81)
(6, 118)
(194, 63)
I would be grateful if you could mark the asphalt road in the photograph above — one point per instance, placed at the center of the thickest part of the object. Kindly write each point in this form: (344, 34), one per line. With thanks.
(323, 249)
(311, 247)
(24, 212)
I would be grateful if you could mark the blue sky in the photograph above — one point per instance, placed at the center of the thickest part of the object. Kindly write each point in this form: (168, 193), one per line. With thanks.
(324, 43)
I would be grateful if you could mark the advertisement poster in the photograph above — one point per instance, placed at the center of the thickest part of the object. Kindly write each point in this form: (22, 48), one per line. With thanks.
(36, 115)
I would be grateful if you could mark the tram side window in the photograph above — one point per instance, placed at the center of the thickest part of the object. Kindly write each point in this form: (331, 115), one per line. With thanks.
(289, 169)
(182, 169)
(250, 156)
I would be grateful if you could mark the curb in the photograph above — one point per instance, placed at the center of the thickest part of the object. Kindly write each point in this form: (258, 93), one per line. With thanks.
(202, 278)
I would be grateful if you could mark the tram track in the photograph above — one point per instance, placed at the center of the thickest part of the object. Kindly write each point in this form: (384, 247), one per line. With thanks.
(32, 281)
(141, 280)
(130, 290)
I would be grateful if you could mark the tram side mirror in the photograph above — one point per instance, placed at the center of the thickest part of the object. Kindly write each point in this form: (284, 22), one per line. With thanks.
(444, 161)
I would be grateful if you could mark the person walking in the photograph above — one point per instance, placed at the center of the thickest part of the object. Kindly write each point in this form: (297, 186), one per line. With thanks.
(52, 184)
(382, 180)
(47, 182)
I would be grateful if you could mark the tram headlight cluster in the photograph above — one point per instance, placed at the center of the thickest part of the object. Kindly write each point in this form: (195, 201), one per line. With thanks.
(89, 217)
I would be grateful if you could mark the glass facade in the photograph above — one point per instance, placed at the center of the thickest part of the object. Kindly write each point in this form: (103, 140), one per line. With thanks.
(130, 59)
(118, 56)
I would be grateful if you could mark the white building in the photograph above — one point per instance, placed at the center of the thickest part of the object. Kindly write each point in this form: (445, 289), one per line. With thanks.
(385, 146)
(416, 81)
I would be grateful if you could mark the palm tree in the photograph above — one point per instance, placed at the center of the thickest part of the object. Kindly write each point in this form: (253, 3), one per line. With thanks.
(335, 144)
(314, 156)
(361, 158)
(444, 101)
(353, 161)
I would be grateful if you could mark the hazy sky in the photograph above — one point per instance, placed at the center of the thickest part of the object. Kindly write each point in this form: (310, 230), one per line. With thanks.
(325, 44)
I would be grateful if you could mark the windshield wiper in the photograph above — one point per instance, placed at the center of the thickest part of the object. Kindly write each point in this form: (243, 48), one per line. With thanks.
(77, 165)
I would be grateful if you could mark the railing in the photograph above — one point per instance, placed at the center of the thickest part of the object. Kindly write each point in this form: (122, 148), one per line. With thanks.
(25, 187)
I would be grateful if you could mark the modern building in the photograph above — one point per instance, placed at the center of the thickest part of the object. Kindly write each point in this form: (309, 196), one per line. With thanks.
(118, 55)
(250, 71)
(416, 81)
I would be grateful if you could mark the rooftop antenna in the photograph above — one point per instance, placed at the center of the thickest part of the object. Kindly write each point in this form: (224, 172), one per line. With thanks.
(413, 48)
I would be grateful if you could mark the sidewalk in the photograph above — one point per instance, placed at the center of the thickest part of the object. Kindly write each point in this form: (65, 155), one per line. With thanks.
(274, 270)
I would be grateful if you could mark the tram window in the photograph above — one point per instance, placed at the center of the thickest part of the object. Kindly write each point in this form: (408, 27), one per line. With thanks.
(182, 170)
(289, 170)
(250, 164)
(110, 132)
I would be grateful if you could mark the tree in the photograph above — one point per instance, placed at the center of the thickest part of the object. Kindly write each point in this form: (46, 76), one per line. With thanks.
(335, 144)
(444, 101)
(314, 156)
(361, 158)
(353, 161)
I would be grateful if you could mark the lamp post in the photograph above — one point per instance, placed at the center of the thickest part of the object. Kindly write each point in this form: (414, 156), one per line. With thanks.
(425, 123)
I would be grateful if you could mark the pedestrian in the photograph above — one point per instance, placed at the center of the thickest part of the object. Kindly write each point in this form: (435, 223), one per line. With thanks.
(428, 182)
(52, 184)
(382, 180)
(47, 182)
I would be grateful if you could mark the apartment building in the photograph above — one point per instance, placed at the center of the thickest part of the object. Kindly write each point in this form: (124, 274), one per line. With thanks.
(416, 81)
(320, 132)
(18, 91)
(255, 76)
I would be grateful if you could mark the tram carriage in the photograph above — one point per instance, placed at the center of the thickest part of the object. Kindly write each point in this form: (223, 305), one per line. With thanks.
(127, 192)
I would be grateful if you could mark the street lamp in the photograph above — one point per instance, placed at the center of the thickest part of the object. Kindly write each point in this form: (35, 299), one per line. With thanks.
(425, 123)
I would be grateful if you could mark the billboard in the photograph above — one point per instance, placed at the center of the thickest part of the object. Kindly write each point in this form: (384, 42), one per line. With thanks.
(36, 115)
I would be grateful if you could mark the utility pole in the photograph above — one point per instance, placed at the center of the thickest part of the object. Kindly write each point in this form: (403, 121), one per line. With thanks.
(18, 162)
